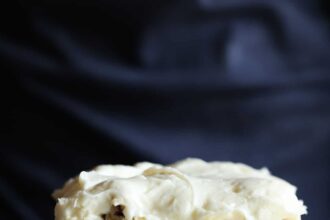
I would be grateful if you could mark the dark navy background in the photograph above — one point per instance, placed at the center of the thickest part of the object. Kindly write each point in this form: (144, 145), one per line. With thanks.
(99, 81)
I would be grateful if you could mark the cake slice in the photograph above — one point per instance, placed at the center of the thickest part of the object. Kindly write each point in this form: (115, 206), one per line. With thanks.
(191, 189)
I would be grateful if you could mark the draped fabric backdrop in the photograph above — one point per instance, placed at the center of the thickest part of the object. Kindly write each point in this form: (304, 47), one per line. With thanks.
(86, 82)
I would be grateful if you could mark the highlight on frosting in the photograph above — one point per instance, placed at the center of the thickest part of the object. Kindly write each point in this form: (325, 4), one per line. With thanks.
(191, 189)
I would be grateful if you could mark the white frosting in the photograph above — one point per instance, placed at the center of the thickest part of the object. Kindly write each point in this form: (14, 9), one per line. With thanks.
(191, 189)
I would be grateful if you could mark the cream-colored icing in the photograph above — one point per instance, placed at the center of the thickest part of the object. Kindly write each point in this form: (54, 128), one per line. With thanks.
(190, 189)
